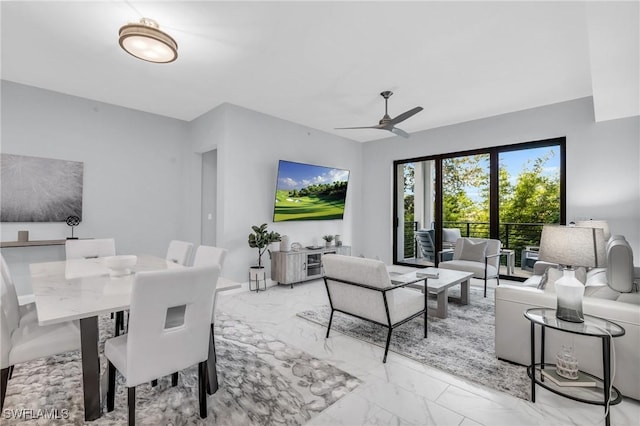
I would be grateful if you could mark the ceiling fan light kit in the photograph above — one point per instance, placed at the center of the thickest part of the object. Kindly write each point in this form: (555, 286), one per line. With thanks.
(388, 123)
(146, 41)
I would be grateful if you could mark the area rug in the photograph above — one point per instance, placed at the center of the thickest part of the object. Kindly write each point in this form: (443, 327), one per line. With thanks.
(263, 381)
(462, 344)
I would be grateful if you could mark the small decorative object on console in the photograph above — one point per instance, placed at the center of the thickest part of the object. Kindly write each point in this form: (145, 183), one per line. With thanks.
(73, 221)
(567, 363)
(328, 239)
(285, 243)
(296, 246)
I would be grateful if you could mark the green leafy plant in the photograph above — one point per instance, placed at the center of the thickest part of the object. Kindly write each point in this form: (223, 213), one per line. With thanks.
(328, 238)
(260, 239)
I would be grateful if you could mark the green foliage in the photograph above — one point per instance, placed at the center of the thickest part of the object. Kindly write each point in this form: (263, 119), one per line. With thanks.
(458, 175)
(261, 238)
(321, 190)
(409, 188)
(328, 238)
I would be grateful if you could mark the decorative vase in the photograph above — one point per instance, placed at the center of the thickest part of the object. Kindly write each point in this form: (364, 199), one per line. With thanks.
(338, 240)
(569, 292)
(284, 243)
(328, 244)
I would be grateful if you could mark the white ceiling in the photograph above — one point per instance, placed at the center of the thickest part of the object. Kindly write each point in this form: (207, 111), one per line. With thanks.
(323, 64)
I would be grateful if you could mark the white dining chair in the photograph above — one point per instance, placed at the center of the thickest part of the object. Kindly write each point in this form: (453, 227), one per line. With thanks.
(151, 349)
(210, 255)
(26, 313)
(179, 252)
(19, 344)
(90, 248)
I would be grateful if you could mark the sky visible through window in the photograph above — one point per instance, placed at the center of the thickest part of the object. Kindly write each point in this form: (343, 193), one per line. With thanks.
(516, 161)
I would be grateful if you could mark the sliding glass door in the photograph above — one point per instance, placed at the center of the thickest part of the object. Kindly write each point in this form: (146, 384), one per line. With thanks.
(415, 200)
(505, 192)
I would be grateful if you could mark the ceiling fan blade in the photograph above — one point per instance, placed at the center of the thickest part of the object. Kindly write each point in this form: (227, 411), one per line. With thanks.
(400, 132)
(405, 115)
(364, 127)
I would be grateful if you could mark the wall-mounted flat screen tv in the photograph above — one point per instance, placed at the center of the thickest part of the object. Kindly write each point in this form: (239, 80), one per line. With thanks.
(309, 192)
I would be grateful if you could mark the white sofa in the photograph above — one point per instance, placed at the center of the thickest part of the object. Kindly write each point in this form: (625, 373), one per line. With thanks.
(603, 298)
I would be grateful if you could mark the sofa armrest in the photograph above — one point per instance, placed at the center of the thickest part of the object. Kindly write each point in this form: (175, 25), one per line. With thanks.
(540, 267)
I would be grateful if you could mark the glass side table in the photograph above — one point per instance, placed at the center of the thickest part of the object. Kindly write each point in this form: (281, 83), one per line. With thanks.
(603, 393)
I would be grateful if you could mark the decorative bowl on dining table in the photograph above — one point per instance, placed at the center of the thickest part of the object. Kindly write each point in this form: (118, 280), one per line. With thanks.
(120, 265)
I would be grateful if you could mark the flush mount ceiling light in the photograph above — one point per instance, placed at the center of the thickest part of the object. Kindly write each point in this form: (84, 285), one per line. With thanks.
(145, 41)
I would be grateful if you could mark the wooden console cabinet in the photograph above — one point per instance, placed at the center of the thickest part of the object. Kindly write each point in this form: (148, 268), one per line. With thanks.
(289, 267)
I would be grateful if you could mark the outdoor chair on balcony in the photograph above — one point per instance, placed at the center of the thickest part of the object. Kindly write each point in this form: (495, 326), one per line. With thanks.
(427, 248)
(478, 255)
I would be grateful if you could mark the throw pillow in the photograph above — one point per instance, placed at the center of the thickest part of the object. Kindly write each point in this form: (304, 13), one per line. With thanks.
(473, 251)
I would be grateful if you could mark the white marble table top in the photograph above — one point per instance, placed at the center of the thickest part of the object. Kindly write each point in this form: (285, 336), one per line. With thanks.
(446, 277)
(82, 288)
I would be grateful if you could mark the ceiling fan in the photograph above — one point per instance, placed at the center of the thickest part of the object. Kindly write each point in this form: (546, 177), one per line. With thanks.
(388, 123)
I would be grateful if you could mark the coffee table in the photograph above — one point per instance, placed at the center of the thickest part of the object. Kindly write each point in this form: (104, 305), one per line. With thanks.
(447, 278)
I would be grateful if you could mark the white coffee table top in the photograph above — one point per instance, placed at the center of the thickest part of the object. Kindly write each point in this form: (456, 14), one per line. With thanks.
(446, 277)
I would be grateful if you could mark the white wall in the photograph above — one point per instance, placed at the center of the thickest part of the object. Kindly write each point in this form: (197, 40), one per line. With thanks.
(249, 147)
(133, 174)
(603, 179)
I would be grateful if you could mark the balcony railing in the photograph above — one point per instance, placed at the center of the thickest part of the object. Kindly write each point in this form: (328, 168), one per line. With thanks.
(514, 236)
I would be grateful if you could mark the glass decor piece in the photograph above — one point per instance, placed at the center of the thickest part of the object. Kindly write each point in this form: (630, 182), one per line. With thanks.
(567, 363)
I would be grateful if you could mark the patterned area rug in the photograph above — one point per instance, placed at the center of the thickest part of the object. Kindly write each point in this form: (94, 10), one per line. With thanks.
(263, 381)
(462, 344)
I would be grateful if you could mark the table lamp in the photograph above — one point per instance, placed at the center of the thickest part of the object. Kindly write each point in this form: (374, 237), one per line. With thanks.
(570, 246)
(601, 238)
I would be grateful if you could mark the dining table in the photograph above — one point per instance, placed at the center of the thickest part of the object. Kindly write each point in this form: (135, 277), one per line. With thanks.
(81, 290)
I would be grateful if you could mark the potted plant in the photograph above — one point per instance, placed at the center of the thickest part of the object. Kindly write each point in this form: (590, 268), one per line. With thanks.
(260, 239)
(328, 239)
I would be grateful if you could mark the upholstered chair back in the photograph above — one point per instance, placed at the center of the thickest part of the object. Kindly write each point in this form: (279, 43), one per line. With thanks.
(209, 255)
(357, 300)
(152, 349)
(450, 236)
(86, 249)
(9, 302)
(5, 339)
(6, 274)
(620, 271)
(179, 252)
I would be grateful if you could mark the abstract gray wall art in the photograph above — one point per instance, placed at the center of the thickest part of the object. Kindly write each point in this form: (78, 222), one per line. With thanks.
(34, 189)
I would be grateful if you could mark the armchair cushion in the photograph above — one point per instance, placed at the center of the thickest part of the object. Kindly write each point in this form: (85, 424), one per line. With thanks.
(473, 251)
(469, 266)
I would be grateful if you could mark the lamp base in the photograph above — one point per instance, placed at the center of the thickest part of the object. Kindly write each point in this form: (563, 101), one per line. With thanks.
(568, 314)
(569, 292)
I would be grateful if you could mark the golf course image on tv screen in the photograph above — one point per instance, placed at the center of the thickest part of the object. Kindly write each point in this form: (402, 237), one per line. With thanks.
(309, 192)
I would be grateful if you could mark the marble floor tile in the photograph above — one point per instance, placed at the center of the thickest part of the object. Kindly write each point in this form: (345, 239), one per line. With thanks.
(402, 391)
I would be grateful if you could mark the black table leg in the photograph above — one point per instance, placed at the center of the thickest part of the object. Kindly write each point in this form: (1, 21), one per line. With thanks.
(533, 362)
(212, 372)
(90, 367)
(606, 367)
